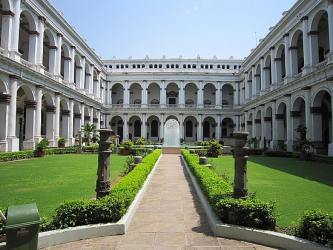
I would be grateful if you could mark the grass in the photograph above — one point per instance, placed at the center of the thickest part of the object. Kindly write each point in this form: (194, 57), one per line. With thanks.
(52, 180)
(295, 186)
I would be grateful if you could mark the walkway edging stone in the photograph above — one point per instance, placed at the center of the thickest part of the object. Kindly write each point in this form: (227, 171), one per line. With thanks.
(264, 237)
(57, 237)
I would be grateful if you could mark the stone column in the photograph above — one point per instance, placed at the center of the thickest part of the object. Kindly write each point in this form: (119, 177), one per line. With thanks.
(33, 43)
(253, 132)
(57, 117)
(13, 141)
(16, 29)
(262, 141)
(254, 83)
(53, 60)
(40, 51)
(289, 125)
(306, 47)
(67, 69)
(125, 128)
(83, 72)
(162, 127)
(58, 61)
(144, 94)
(50, 125)
(71, 138)
(236, 94)
(308, 113)
(38, 124)
(4, 103)
(273, 68)
(72, 66)
(218, 99)
(30, 122)
(240, 155)
(199, 129)
(288, 57)
(200, 94)
(6, 29)
(181, 127)
(314, 55)
(144, 126)
(91, 79)
(246, 87)
(91, 117)
(126, 94)
(245, 121)
(103, 184)
(330, 146)
(262, 76)
(218, 127)
(163, 94)
(98, 113)
(330, 28)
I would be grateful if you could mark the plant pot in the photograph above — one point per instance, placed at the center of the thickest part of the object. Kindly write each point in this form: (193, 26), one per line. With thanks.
(39, 153)
(61, 145)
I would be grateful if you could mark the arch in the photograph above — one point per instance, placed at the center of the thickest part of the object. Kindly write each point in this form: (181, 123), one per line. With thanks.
(135, 93)
(117, 94)
(258, 79)
(153, 93)
(77, 70)
(257, 124)
(171, 132)
(65, 62)
(298, 115)
(268, 72)
(297, 52)
(250, 124)
(322, 121)
(190, 129)
(209, 128)
(280, 63)
(209, 94)
(191, 94)
(49, 52)
(281, 123)
(134, 127)
(227, 95)
(171, 117)
(47, 117)
(249, 85)
(117, 125)
(268, 125)
(153, 124)
(319, 37)
(172, 94)
(227, 126)
(4, 38)
(28, 27)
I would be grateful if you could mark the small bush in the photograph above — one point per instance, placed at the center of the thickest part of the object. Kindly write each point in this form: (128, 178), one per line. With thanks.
(61, 142)
(129, 165)
(317, 226)
(12, 156)
(215, 149)
(61, 151)
(127, 144)
(249, 213)
(279, 154)
(140, 141)
(140, 151)
(42, 145)
(108, 209)
(93, 148)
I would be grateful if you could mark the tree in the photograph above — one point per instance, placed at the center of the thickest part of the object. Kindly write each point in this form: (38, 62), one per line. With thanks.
(89, 133)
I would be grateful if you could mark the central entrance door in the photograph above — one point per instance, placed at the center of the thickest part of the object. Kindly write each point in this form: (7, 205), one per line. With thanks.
(171, 133)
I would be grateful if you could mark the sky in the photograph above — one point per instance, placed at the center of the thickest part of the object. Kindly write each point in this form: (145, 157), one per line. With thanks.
(187, 28)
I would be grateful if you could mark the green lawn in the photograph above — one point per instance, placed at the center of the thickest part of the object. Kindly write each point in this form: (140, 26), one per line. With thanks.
(51, 180)
(294, 185)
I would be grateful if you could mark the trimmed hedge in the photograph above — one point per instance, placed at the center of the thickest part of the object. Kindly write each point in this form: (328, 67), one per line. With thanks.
(108, 209)
(13, 156)
(249, 213)
(280, 154)
(61, 151)
(317, 225)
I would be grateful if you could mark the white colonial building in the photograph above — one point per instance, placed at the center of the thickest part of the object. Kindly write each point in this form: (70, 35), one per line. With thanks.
(52, 82)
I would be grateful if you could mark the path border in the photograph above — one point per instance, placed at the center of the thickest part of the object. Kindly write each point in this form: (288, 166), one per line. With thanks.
(57, 237)
(263, 237)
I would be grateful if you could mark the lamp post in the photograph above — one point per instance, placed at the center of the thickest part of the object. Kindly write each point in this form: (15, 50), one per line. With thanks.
(103, 171)
(240, 154)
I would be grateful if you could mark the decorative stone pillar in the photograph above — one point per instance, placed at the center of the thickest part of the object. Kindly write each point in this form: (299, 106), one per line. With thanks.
(126, 94)
(72, 66)
(182, 94)
(57, 116)
(236, 94)
(262, 141)
(144, 126)
(53, 59)
(306, 47)
(218, 127)
(218, 99)
(98, 113)
(200, 94)
(199, 129)
(58, 61)
(240, 154)
(91, 117)
(262, 76)
(330, 146)
(65, 115)
(90, 79)
(314, 53)
(4, 103)
(103, 184)
(40, 50)
(289, 124)
(273, 68)
(162, 126)
(71, 138)
(181, 127)
(330, 28)
(288, 57)
(50, 125)
(254, 83)
(144, 94)
(6, 29)
(13, 141)
(125, 128)
(33, 43)
(83, 72)
(246, 87)
(163, 94)
(16, 30)
(30, 122)
(38, 124)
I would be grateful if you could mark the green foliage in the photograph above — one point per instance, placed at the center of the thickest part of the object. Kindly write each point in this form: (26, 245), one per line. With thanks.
(89, 133)
(252, 213)
(127, 144)
(279, 154)
(215, 149)
(91, 148)
(60, 151)
(129, 165)
(13, 156)
(255, 151)
(317, 225)
(42, 145)
(61, 142)
(140, 141)
(108, 209)
(2, 223)
(140, 151)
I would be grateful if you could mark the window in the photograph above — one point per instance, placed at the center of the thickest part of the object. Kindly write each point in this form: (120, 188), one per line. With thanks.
(219, 66)
(126, 66)
(122, 66)
(184, 66)
(133, 66)
(223, 66)
(117, 66)
(228, 66)
(167, 66)
(138, 66)
(194, 66)
(177, 66)
(155, 66)
(211, 66)
(189, 66)
(189, 129)
(150, 66)
(154, 129)
(235, 66)
(172, 66)
(143, 66)
(160, 66)
(110, 66)
(202, 66)
(206, 66)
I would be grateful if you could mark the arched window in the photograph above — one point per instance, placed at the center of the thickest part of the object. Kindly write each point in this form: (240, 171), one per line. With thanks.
(189, 129)
(137, 128)
(154, 128)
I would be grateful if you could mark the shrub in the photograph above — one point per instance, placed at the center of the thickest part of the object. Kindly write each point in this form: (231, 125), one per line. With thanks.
(215, 149)
(108, 209)
(12, 156)
(91, 148)
(253, 151)
(139, 151)
(127, 144)
(279, 154)
(140, 141)
(317, 225)
(60, 151)
(129, 165)
(250, 213)
(2, 223)
(42, 145)
(61, 142)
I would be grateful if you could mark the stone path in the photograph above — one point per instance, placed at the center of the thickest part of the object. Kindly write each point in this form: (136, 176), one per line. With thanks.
(169, 217)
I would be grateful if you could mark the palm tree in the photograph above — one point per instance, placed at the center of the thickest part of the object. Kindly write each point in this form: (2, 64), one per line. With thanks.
(89, 133)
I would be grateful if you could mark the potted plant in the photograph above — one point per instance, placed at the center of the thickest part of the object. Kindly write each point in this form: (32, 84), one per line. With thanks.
(40, 148)
(125, 147)
(215, 149)
(305, 146)
(61, 142)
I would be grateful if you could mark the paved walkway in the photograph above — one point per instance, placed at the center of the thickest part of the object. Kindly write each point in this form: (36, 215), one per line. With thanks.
(169, 217)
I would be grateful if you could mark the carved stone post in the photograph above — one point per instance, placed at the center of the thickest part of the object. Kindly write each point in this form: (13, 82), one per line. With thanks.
(103, 172)
(240, 155)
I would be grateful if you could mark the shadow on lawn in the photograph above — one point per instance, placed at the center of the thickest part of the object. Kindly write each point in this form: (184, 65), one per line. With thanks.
(311, 170)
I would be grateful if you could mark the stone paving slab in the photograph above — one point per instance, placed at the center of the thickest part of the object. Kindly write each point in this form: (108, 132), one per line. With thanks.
(169, 217)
